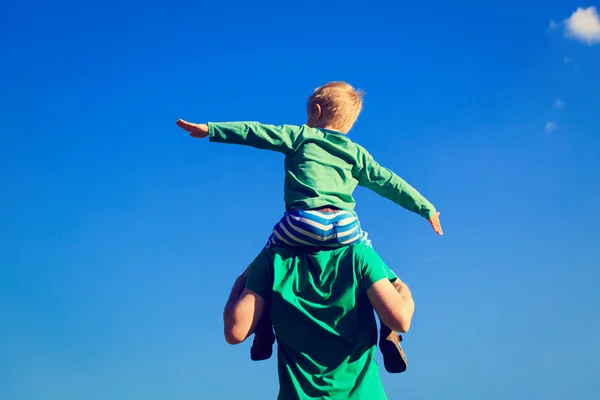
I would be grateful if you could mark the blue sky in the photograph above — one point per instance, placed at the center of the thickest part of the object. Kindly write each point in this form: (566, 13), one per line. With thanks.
(121, 235)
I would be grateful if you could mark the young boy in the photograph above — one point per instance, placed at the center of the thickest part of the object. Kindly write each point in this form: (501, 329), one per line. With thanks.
(322, 169)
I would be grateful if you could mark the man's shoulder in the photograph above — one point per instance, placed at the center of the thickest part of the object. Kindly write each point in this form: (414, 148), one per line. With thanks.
(358, 254)
(356, 257)
(362, 251)
(345, 255)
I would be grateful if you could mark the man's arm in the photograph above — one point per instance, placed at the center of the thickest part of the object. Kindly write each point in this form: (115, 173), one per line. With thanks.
(393, 303)
(246, 303)
(387, 184)
(261, 136)
(242, 312)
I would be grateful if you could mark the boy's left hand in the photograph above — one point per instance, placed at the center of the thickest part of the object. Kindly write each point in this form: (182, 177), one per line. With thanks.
(435, 223)
(195, 130)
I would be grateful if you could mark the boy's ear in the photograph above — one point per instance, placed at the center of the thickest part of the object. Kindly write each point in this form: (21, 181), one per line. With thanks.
(318, 112)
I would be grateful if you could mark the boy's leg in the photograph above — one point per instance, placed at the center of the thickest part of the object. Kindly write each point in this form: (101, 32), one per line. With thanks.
(264, 338)
(325, 227)
(394, 359)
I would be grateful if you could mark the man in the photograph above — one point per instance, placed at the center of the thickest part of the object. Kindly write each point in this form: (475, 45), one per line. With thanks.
(321, 305)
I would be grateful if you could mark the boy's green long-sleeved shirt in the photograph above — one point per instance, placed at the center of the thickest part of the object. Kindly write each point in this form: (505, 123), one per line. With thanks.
(322, 167)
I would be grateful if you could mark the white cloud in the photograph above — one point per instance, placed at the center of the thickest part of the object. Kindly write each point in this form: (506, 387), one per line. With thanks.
(550, 126)
(584, 25)
(558, 103)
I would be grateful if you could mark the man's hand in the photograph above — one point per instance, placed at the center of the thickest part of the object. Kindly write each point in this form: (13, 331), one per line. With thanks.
(195, 130)
(435, 223)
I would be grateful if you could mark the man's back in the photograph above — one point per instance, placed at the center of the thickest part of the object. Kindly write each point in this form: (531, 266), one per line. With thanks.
(324, 322)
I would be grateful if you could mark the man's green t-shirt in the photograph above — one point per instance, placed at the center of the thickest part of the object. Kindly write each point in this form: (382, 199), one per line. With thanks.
(322, 167)
(324, 322)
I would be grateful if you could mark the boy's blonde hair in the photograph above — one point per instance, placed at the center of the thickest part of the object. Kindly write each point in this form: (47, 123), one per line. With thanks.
(340, 105)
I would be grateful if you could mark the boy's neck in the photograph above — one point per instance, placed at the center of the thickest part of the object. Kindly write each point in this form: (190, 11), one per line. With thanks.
(326, 127)
(330, 128)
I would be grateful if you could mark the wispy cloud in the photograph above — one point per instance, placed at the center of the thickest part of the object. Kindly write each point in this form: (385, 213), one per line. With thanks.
(558, 103)
(434, 259)
(550, 126)
(583, 25)
(552, 26)
(571, 62)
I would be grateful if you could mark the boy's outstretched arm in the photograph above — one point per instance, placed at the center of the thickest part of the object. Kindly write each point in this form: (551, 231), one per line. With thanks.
(389, 185)
(262, 136)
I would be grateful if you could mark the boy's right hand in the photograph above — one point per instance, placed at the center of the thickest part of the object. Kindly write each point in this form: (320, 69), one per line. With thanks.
(435, 223)
(195, 130)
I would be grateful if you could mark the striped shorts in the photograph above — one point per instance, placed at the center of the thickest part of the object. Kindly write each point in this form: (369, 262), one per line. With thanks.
(310, 228)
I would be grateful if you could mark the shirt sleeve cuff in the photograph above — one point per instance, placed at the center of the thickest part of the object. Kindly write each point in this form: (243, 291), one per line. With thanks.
(211, 131)
(429, 213)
